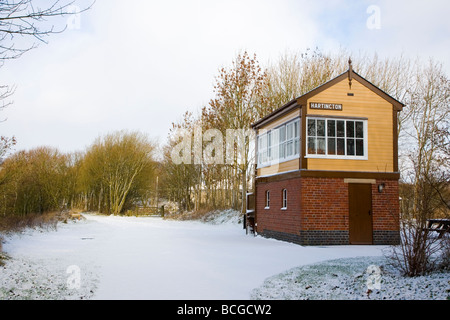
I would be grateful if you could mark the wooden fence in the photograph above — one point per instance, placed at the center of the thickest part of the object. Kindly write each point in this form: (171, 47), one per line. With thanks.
(148, 211)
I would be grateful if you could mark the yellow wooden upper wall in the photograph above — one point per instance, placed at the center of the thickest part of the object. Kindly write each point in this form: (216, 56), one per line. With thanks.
(365, 104)
(290, 165)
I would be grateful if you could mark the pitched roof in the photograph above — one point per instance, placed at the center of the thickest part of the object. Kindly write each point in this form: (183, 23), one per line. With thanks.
(301, 101)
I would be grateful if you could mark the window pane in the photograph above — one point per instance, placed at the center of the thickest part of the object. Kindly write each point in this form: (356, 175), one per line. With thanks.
(275, 144)
(321, 128)
(350, 129)
(263, 142)
(289, 148)
(282, 133)
(289, 131)
(332, 146)
(262, 148)
(340, 147)
(269, 146)
(350, 147)
(297, 146)
(320, 145)
(259, 148)
(359, 147)
(331, 128)
(359, 129)
(296, 129)
(311, 145)
(275, 137)
(340, 128)
(282, 150)
(312, 128)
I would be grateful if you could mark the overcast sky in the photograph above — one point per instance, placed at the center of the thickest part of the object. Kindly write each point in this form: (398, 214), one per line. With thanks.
(140, 64)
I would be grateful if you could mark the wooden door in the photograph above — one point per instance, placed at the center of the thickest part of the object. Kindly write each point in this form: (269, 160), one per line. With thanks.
(360, 213)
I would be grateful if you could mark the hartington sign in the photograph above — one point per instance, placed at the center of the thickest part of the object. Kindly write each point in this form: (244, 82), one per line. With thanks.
(326, 106)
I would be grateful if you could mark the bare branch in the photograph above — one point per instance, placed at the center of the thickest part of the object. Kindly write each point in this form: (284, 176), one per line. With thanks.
(22, 18)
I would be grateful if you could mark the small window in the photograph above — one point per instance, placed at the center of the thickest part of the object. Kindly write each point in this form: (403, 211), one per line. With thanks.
(267, 199)
(284, 197)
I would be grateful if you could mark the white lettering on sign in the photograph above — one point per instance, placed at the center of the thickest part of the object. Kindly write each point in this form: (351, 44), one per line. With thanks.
(326, 106)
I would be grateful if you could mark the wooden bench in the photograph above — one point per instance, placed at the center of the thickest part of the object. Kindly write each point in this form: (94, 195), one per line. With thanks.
(440, 226)
(75, 215)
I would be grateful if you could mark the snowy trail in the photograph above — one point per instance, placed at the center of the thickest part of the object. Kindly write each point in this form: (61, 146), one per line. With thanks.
(150, 258)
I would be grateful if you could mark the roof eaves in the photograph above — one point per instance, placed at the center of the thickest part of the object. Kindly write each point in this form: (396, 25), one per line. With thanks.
(273, 113)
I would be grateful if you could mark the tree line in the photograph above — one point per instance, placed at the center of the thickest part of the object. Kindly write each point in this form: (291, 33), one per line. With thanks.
(244, 92)
(118, 170)
(112, 175)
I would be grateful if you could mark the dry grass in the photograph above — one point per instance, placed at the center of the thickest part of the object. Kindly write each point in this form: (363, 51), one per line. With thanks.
(13, 223)
(48, 221)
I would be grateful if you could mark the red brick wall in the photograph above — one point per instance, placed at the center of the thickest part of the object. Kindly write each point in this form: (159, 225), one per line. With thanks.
(324, 204)
(321, 204)
(385, 206)
(275, 218)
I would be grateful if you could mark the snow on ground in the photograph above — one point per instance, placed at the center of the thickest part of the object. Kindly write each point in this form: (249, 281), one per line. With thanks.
(351, 279)
(222, 217)
(111, 257)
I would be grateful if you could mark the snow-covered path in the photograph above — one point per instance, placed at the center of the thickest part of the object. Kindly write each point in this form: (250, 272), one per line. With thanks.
(151, 258)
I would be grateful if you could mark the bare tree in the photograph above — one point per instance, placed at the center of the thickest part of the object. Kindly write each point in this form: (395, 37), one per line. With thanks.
(181, 180)
(6, 143)
(115, 166)
(23, 18)
(238, 92)
(21, 21)
(427, 169)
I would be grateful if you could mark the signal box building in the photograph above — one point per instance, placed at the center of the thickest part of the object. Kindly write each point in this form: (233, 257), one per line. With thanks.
(327, 166)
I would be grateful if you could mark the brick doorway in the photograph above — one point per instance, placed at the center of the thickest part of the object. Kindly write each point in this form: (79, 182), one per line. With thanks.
(360, 213)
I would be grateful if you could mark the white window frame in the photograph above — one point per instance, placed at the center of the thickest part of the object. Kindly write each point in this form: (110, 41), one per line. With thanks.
(262, 148)
(331, 156)
(284, 199)
(272, 151)
(267, 200)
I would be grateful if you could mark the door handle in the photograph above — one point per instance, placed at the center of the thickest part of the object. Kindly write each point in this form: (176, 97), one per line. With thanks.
(370, 212)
